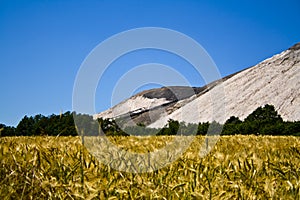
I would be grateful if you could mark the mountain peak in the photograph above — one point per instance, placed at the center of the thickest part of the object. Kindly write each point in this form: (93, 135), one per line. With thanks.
(295, 47)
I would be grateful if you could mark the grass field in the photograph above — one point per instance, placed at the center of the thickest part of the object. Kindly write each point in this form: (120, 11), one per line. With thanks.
(238, 167)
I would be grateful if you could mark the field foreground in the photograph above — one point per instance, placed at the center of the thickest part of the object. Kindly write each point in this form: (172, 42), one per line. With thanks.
(238, 167)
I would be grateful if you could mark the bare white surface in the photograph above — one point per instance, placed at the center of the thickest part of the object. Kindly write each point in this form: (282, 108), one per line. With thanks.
(274, 81)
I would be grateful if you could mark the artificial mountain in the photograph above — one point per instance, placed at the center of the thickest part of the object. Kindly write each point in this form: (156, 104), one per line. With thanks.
(274, 81)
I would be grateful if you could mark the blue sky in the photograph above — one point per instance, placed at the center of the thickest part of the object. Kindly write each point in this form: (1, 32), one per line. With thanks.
(43, 43)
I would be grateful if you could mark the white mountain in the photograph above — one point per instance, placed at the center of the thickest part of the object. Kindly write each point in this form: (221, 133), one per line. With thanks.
(275, 81)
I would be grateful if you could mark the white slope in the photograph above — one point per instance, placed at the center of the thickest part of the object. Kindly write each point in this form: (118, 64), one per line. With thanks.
(274, 81)
(133, 104)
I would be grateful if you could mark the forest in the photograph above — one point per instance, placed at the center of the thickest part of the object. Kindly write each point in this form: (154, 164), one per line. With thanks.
(265, 120)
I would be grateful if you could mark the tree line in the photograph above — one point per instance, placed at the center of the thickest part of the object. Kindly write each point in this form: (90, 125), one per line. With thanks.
(263, 121)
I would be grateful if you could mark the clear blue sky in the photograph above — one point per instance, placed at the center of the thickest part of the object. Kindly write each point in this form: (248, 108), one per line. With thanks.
(43, 43)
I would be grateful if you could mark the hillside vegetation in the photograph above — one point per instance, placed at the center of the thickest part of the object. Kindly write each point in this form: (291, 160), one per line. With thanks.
(262, 121)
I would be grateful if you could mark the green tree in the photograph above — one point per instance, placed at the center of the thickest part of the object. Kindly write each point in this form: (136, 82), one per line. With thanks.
(25, 127)
(7, 130)
(215, 128)
(291, 128)
(202, 128)
(264, 120)
(173, 126)
(232, 126)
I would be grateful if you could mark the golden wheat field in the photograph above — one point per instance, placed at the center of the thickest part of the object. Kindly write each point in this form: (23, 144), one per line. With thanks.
(238, 167)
